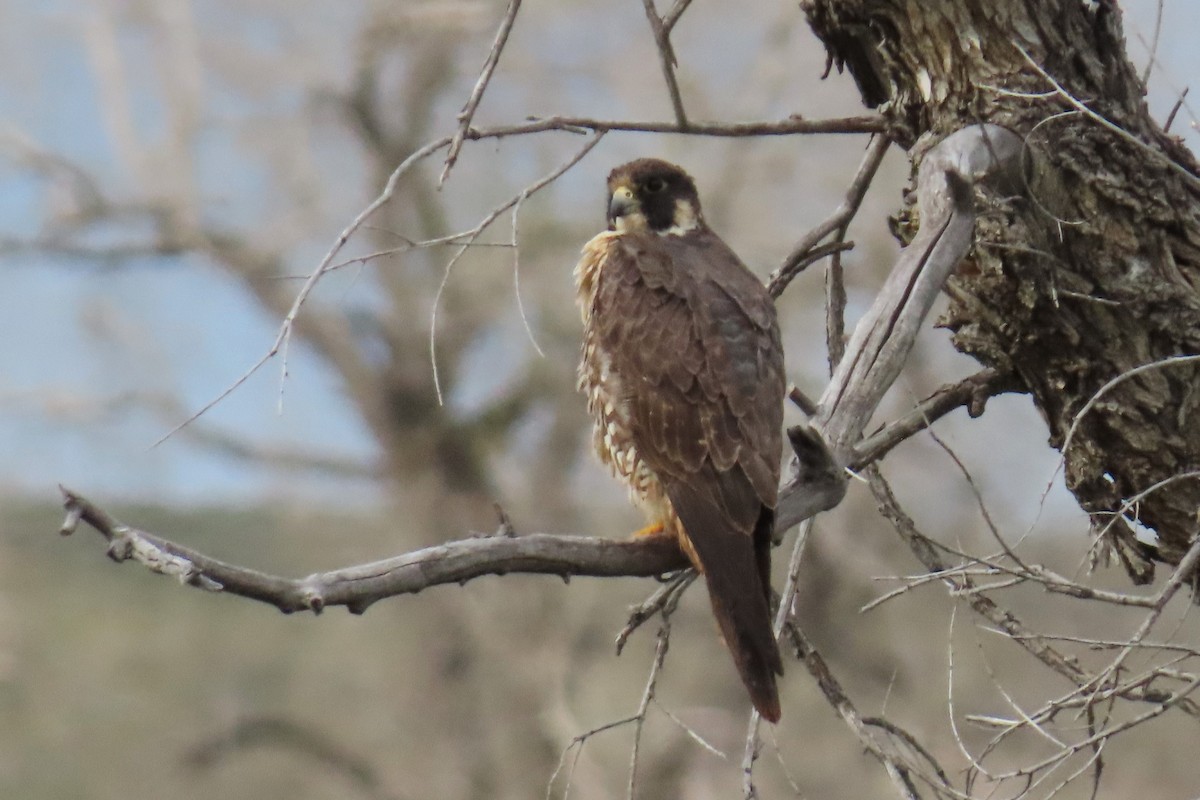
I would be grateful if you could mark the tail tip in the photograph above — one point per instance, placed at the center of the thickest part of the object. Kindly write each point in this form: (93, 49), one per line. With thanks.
(765, 697)
(768, 708)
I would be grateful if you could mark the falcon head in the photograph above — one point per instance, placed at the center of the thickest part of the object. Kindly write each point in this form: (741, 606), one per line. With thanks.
(652, 195)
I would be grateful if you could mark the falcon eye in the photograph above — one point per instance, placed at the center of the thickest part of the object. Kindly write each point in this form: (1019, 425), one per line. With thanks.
(655, 185)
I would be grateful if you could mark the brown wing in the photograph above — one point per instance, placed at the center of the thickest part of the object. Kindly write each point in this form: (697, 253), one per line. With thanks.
(692, 333)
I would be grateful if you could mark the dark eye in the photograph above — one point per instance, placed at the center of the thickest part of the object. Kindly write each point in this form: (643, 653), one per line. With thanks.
(655, 185)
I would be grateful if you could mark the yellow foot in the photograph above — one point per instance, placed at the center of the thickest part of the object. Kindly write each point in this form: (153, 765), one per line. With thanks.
(650, 530)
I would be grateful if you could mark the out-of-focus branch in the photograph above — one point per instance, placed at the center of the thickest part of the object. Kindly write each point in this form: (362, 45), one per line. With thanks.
(281, 458)
(113, 254)
(358, 587)
(304, 742)
(63, 406)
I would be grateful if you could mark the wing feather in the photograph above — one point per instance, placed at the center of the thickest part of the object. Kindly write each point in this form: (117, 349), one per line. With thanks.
(693, 333)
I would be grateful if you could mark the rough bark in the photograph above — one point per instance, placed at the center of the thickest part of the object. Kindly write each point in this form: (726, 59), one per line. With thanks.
(1093, 271)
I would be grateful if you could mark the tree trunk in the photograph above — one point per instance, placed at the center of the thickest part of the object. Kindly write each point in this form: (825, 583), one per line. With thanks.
(1093, 271)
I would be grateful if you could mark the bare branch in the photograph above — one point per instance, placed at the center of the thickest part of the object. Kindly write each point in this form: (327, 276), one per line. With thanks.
(883, 339)
(666, 56)
(359, 586)
(577, 744)
(1152, 48)
(1107, 733)
(900, 769)
(814, 254)
(485, 75)
(972, 392)
(471, 235)
(839, 220)
(662, 643)
(664, 597)
(793, 125)
(666, 608)
(1003, 620)
(926, 553)
(1179, 103)
(671, 17)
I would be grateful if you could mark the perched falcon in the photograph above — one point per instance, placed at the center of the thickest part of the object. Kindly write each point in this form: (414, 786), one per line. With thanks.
(683, 370)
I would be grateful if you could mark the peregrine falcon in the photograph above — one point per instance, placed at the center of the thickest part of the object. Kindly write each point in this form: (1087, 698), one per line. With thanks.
(683, 370)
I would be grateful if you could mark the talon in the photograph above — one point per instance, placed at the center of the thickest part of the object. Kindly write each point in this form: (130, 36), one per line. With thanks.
(650, 530)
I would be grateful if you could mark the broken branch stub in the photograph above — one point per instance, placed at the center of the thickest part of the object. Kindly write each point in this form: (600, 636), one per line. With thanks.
(884, 337)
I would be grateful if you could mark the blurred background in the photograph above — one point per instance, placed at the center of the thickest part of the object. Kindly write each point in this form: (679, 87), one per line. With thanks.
(170, 171)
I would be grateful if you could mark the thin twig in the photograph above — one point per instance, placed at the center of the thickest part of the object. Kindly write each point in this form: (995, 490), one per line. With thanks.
(576, 745)
(839, 220)
(283, 337)
(666, 57)
(926, 552)
(1171, 361)
(1076, 421)
(485, 75)
(814, 254)
(671, 17)
(1108, 125)
(792, 125)
(1179, 103)
(791, 585)
(661, 645)
(663, 597)
(1106, 733)
(477, 231)
(1153, 46)
(1183, 574)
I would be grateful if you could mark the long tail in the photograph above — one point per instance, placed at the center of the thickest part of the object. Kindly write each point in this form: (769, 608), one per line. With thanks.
(751, 641)
(736, 567)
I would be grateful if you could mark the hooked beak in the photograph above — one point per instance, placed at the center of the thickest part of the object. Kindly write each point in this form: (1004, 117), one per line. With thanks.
(621, 203)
